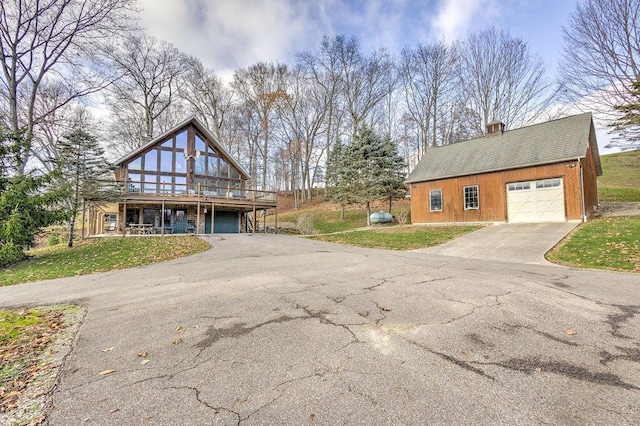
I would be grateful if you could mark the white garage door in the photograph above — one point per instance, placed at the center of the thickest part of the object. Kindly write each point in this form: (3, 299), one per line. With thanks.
(536, 201)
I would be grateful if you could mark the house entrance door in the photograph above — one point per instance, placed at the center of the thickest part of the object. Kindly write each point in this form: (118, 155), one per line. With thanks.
(179, 221)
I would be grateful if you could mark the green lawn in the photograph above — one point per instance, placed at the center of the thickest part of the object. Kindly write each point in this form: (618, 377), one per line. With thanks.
(620, 180)
(618, 194)
(621, 170)
(328, 221)
(399, 237)
(608, 243)
(99, 255)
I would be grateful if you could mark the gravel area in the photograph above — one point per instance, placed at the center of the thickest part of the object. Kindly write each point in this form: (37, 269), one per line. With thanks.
(611, 209)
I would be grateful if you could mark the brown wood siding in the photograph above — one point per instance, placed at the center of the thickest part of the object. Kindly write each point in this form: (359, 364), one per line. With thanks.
(590, 178)
(492, 194)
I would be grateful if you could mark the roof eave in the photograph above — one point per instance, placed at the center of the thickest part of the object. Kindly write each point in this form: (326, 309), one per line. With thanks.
(502, 169)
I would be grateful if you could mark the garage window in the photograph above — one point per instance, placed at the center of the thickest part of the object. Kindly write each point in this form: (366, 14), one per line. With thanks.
(549, 183)
(471, 198)
(435, 203)
(521, 186)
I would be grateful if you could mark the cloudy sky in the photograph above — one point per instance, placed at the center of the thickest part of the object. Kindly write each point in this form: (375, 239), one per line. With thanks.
(229, 34)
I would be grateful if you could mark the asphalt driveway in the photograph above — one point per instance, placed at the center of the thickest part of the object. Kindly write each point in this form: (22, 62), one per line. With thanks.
(270, 329)
(507, 242)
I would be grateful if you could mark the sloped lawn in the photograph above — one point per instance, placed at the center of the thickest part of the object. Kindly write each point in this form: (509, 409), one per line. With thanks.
(608, 243)
(99, 255)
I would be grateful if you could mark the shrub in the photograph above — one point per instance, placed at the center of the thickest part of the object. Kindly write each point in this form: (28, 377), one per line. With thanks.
(305, 224)
(403, 216)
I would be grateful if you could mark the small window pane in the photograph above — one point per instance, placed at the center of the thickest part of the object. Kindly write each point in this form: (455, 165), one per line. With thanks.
(200, 145)
(233, 173)
(212, 167)
(151, 161)
(135, 164)
(435, 200)
(224, 169)
(167, 143)
(471, 197)
(201, 164)
(133, 184)
(166, 161)
(181, 141)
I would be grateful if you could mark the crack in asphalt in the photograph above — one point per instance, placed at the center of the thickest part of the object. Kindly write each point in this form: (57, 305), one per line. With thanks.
(543, 334)
(237, 330)
(628, 354)
(616, 321)
(215, 409)
(531, 365)
(453, 360)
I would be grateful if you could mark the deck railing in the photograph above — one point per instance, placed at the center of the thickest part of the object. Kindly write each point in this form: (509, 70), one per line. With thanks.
(196, 190)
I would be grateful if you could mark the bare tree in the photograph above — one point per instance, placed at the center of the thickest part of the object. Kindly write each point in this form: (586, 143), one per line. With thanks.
(324, 68)
(303, 117)
(45, 41)
(364, 79)
(151, 73)
(601, 58)
(503, 79)
(261, 87)
(429, 76)
(206, 96)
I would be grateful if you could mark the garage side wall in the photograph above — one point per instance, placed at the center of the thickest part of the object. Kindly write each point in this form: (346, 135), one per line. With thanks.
(492, 194)
(590, 183)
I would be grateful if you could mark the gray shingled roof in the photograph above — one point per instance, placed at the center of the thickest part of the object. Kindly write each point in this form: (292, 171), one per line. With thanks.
(545, 143)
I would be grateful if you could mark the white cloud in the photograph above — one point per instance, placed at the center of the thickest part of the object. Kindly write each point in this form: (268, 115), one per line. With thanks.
(230, 34)
(455, 18)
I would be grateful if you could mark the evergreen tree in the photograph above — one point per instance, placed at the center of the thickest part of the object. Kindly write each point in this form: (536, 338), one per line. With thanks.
(628, 125)
(27, 201)
(83, 169)
(335, 177)
(372, 169)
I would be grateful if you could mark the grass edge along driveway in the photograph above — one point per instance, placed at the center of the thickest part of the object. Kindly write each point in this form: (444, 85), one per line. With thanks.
(99, 255)
(611, 243)
(399, 237)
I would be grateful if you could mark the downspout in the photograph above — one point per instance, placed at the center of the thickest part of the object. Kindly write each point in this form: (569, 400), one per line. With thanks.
(584, 210)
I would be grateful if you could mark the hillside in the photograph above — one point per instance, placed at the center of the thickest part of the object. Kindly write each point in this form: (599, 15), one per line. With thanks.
(621, 169)
(620, 180)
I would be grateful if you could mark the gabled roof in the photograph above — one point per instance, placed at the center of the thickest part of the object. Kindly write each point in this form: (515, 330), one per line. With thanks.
(205, 132)
(545, 143)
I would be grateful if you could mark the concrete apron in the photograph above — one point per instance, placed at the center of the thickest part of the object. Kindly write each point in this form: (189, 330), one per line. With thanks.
(507, 242)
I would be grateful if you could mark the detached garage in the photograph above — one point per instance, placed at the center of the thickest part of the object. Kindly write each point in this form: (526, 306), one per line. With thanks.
(541, 173)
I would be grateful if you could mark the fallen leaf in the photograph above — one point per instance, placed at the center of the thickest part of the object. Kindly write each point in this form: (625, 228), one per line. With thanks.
(115, 308)
(177, 340)
(179, 329)
(114, 410)
(106, 372)
(109, 349)
(570, 331)
(144, 361)
(142, 354)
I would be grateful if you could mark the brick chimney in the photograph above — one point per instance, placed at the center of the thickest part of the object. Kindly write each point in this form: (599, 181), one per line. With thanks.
(494, 128)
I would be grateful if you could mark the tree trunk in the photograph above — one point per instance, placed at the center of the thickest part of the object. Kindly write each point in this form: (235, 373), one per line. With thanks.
(341, 211)
(390, 202)
(368, 214)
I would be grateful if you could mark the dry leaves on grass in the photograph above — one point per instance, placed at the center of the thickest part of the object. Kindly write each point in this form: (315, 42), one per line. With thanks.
(20, 358)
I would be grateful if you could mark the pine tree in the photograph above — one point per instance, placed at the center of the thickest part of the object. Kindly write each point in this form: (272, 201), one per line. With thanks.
(335, 177)
(27, 201)
(373, 170)
(83, 168)
(628, 125)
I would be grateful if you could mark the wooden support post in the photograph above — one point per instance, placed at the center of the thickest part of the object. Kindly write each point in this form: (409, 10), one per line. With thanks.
(213, 215)
(124, 218)
(197, 230)
(276, 220)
